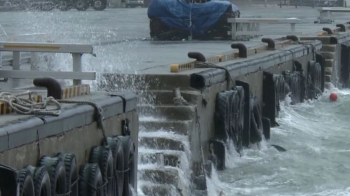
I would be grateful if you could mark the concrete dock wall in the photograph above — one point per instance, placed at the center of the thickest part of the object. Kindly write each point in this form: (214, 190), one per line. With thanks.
(200, 86)
(24, 139)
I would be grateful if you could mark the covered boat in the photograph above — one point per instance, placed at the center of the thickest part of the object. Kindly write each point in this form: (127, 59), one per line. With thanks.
(179, 19)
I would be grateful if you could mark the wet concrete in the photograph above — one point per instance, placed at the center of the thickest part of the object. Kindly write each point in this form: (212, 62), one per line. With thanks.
(120, 35)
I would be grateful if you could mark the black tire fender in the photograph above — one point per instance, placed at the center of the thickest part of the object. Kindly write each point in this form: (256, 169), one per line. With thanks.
(72, 176)
(102, 5)
(129, 163)
(57, 173)
(84, 5)
(91, 181)
(222, 111)
(118, 158)
(26, 183)
(256, 127)
(234, 115)
(103, 156)
(41, 178)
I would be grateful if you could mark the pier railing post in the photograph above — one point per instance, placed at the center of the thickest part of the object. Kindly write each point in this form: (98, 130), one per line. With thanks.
(16, 63)
(77, 66)
(233, 30)
(292, 27)
(33, 62)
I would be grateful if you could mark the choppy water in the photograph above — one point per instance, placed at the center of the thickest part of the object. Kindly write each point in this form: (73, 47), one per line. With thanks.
(316, 135)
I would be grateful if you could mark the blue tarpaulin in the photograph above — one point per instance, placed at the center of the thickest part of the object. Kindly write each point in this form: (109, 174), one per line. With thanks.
(179, 14)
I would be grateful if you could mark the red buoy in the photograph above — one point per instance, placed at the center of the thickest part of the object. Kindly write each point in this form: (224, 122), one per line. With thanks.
(333, 97)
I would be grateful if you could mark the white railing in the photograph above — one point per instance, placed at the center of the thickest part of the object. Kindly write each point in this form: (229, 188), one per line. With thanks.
(77, 50)
(251, 26)
(326, 13)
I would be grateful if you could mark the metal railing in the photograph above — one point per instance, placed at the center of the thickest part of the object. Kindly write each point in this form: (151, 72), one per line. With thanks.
(326, 13)
(251, 26)
(77, 50)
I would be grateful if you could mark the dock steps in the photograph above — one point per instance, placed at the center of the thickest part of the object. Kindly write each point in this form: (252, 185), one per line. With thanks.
(167, 175)
(171, 158)
(160, 190)
(165, 97)
(180, 127)
(164, 128)
(169, 112)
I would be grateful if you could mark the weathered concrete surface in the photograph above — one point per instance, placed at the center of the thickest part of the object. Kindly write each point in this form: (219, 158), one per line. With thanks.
(78, 140)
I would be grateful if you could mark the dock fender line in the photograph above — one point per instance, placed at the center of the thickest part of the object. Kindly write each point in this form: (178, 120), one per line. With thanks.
(266, 127)
(221, 116)
(91, 181)
(54, 88)
(270, 97)
(196, 55)
(270, 43)
(246, 126)
(118, 164)
(293, 78)
(8, 184)
(256, 127)
(345, 65)
(219, 151)
(342, 27)
(299, 68)
(237, 117)
(129, 162)
(26, 183)
(313, 80)
(72, 175)
(57, 173)
(41, 178)
(242, 49)
(233, 116)
(320, 59)
(102, 155)
(282, 89)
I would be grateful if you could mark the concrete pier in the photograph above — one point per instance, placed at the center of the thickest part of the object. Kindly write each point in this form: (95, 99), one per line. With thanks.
(193, 121)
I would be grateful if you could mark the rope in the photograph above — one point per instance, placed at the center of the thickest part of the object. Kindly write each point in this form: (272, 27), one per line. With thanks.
(98, 113)
(29, 106)
(211, 65)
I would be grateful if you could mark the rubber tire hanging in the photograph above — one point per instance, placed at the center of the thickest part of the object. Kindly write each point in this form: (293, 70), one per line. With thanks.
(281, 89)
(294, 80)
(91, 181)
(129, 163)
(256, 127)
(41, 178)
(26, 183)
(72, 176)
(235, 122)
(118, 157)
(102, 155)
(222, 116)
(57, 173)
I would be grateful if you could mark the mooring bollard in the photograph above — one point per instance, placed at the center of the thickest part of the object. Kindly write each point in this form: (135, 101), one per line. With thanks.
(160, 159)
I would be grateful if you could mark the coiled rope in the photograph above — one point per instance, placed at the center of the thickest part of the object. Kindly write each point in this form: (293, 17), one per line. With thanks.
(49, 106)
(29, 105)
